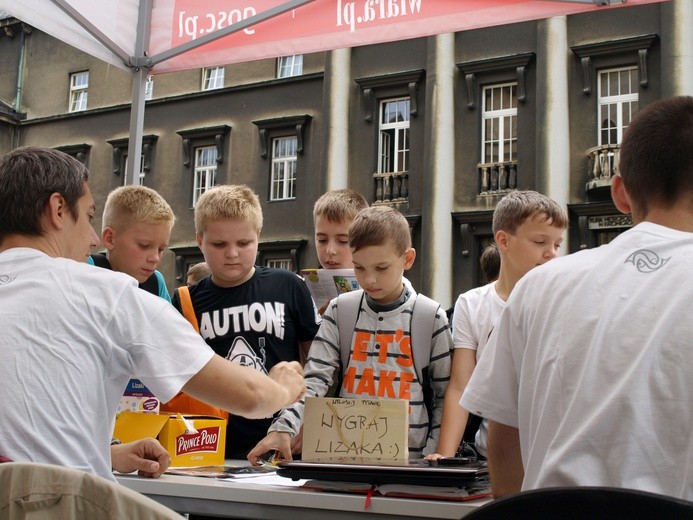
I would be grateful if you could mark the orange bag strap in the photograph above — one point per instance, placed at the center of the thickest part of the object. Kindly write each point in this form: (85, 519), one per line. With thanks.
(187, 306)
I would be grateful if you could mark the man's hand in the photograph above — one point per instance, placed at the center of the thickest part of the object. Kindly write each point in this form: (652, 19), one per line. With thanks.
(273, 441)
(146, 456)
(289, 375)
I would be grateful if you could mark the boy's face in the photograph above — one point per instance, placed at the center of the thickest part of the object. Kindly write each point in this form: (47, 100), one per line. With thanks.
(332, 243)
(137, 249)
(230, 249)
(534, 242)
(379, 271)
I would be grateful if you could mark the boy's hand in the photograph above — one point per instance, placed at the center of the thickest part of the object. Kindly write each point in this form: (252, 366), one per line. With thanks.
(273, 441)
(289, 375)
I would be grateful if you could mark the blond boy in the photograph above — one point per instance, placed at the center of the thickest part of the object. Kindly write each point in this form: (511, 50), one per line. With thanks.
(528, 229)
(136, 227)
(380, 353)
(252, 315)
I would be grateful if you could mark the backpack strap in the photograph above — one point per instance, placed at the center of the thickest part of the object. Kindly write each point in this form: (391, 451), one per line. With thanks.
(348, 306)
(422, 323)
(186, 306)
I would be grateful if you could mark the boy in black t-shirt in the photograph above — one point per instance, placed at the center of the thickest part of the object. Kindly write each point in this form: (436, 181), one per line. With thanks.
(255, 316)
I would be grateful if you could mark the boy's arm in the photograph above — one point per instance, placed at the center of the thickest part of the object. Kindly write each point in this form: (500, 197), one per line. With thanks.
(504, 459)
(454, 416)
(439, 376)
(244, 391)
(322, 367)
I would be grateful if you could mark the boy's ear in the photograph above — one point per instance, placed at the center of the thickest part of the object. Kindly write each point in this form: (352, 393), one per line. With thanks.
(619, 195)
(55, 210)
(198, 237)
(409, 257)
(502, 240)
(107, 237)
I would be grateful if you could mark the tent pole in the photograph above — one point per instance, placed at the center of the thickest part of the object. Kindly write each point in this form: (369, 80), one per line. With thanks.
(139, 79)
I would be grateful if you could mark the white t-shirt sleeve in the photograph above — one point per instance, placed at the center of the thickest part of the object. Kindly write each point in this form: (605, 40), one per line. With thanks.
(163, 348)
(492, 391)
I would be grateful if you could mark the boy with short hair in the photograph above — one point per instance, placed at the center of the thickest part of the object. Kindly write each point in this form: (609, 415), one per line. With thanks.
(136, 227)
(528, 229)
(333, 213)
(197, 272)
(380, 362)
(252, 315)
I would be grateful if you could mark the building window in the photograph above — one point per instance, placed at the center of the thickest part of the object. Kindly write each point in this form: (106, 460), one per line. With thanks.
(288, 66)
(499, 123)
(205, 170)
(282, 254)
(79, 83)
(618, 101)
(212, 78)
(393, 142)
(284, 161)
(139, 179)
(280, 263)
(120, 158)
(149, 88)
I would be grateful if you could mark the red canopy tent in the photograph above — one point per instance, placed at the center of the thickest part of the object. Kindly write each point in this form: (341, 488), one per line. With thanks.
(157, 36)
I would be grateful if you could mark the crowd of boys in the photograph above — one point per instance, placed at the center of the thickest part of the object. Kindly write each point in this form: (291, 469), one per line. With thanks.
(578, 367)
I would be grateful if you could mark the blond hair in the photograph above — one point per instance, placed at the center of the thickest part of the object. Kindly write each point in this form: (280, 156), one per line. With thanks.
(377, 226)
(130, 205)
(339, 205)
(228, 201)
(519, 205)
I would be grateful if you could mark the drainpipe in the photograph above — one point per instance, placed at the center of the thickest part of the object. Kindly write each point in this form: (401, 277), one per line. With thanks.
(20, 81)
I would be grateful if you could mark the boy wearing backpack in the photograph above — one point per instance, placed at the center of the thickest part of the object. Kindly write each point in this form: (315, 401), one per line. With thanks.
(382, 356)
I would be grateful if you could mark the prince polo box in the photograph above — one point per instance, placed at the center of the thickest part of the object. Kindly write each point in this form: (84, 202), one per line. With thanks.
(204, 448)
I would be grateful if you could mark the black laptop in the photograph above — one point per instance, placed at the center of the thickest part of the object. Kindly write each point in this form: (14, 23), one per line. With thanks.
(412, 472)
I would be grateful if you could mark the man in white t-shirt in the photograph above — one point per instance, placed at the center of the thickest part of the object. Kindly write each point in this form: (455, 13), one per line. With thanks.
(590, 363)
(74, 334)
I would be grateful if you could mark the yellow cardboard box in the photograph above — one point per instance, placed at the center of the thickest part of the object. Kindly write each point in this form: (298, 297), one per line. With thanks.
(204, 447)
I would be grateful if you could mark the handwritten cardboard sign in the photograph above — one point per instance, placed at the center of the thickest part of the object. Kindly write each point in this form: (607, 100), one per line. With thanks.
(340, 429)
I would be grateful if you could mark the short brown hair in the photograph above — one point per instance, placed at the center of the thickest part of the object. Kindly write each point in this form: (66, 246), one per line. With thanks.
(198, 271)
(339, 205)
(519, 205)
(377, 226)
(656, 161)
(129, 205)
(490, 261)
(228, 201)
(28, 177)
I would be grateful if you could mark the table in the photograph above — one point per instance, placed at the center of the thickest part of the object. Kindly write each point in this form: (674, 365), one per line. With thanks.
(241, 499)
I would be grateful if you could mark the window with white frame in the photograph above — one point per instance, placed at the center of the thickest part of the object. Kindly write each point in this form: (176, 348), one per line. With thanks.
(499, 123)
(205, 170)
(618, 101)
(212, 78)
(149, 88)
(288, 66)
(280, 263)
(393, 142)
(284, 161)
(79, 83)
